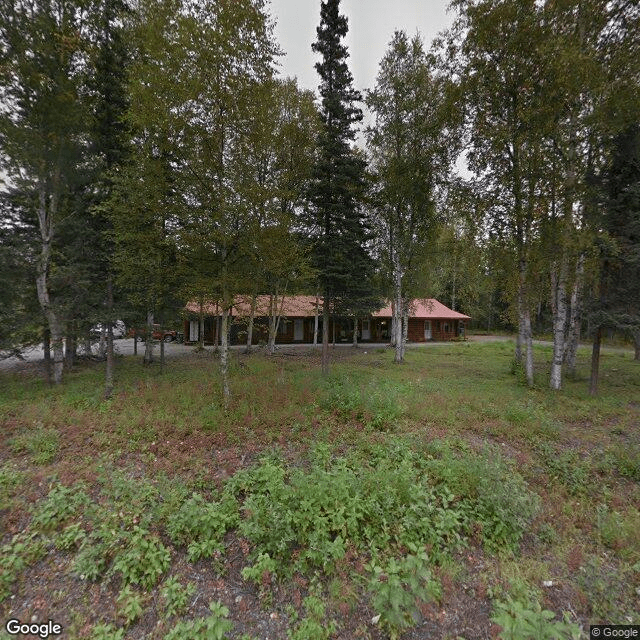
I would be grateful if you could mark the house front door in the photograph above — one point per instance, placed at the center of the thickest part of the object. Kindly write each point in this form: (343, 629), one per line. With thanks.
(427, 329)
(366, 330)
(298, 329)
(194, 334)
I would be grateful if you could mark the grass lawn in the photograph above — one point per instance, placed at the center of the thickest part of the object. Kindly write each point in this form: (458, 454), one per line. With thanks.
(436, 499)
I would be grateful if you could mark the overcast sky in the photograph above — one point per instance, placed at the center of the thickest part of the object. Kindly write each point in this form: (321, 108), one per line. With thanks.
(371, 27)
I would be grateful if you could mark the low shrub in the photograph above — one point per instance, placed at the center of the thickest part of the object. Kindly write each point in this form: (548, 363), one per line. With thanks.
(213, 627)
(41, 443)
(520, 621)
(201, 525)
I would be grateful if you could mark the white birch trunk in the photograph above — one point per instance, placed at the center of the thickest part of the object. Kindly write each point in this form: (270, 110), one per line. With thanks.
(559, 325)
(325, 335)
(316, 321)
(201, 326)
(102, 344)
(46, 215)
(252, 315)
(108, 378)
(392, 330)
(273, 324)
(525, 342)
(148, 344)
(528, 340)
(398, 309)
(224, 357)
(405, 326)
(575, 319)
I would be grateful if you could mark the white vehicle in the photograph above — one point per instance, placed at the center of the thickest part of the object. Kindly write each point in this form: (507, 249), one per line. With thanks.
(119, 330)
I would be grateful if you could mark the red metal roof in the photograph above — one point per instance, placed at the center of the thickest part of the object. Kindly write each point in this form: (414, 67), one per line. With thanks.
(290, 306)
(427, 308)
(304, 306)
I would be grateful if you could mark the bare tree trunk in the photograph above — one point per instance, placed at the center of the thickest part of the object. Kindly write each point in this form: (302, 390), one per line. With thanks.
(559, 325)
(275, 316)
(453, 284)
(218, 329)
(575, 319)
(405, 326)
(519, 340)
(108, 384)
(392, 330)
(69, 347)
(398, 310)
(355, 332)
(47, 211)
(315, 321)
(595, 362)
(325, 335)
(46, 344)
(86, 339)
(524, 325)
(201, 326)
(636, 337)
(567, 228)
(102, 345)
(252, 315)
(224, 354)
(161, 349)
(135, 342)
(528, 340)
(148, 345)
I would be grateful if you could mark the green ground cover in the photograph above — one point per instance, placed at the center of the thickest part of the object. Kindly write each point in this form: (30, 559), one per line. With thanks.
(440, 498)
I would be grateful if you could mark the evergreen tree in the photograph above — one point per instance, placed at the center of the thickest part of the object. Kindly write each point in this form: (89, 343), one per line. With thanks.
(618, 306)
(42, 130)
(344, 266)
(110, 146)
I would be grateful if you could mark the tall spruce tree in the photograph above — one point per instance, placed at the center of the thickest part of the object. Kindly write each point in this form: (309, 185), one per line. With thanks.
(42, 129)
(109, 150)
(618, 306)
(341, 258)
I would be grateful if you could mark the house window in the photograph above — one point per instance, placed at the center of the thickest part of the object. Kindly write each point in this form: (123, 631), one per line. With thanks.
(446, 327)
(282, 327)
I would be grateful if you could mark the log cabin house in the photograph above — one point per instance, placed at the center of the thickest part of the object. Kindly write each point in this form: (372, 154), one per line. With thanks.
(428, 320)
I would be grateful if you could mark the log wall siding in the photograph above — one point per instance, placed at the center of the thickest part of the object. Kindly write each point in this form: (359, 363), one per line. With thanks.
(441, 330)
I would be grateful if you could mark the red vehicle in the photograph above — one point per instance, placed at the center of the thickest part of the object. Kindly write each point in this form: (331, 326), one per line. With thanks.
(168, 335)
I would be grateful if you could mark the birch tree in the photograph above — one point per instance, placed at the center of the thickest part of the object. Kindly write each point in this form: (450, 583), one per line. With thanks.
(195, 84)
(412, 146)
(502, 66)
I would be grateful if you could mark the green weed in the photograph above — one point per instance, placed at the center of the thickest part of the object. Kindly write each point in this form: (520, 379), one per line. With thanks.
(314, 626)
(201, 525)
(375, 404)
(41, 443)
(213, 627)
(24, 550)
(10, 479)
(176, 597)
(107, 632)
(129, 605)
(522, 622)
(143, 560)
(625, 460)
(61, 504)
(398, 587)
(568, 467)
